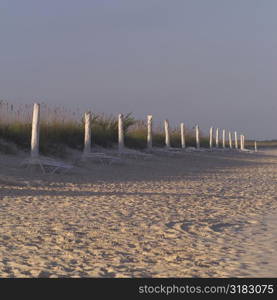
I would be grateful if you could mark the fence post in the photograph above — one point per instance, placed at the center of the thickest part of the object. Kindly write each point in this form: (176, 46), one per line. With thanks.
(211, 138)
(87, 138)
(120, 133)
(167, 136)
(243, 139)
(197, 137)
(230, 140)
(217, 138)
(149, 131)
(223, 138)
(35, 131)
(255, 147)
(236, 140)
(241, 142)
(183, 138)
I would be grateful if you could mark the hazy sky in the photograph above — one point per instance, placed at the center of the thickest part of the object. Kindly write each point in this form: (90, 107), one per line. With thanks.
(208, 61)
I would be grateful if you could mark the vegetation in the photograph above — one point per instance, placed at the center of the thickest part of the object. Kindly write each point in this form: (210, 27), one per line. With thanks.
(61, 128)
(261, 144)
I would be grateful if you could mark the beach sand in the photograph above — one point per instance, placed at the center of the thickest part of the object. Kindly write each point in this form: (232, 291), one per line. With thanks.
(199, 214)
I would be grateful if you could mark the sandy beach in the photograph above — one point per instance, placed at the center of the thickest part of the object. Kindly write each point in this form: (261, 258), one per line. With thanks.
(199, 214)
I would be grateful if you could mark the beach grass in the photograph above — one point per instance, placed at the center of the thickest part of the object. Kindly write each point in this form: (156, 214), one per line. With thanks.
(61, 128)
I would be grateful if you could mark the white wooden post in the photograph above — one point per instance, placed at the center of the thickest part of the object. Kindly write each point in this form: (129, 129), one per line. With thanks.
(241, 142)
(35, 131)
(230, 140)
(183, 139)
(167, 136)
(223, 138)
(211, 137)
(149, 131)
(255, 146)
(243, 139)
(197, 137)
(236, 140)
(217, 138)
(120, 133)
(87, 138)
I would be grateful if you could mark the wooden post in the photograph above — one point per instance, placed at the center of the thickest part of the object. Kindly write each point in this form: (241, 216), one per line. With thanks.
(255, 146)
(223, 138)
(87, 137)
(149, 131)
(167, 136)
(236, 140)
(217, 138)
(197, 137)
(243, 139)
(241, 142)
(120, 133)
(183, 139)
(35, 131)
(211, 138)
(230, 140)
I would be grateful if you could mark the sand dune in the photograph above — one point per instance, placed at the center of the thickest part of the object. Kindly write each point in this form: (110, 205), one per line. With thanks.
(198, 214)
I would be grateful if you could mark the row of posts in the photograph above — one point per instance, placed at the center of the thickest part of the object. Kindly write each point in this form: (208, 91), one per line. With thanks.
(87, 136)
(224, 137)
(167, 135)
(197, 137)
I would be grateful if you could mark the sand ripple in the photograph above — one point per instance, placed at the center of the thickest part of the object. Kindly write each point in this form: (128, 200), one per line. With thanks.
(200, 214)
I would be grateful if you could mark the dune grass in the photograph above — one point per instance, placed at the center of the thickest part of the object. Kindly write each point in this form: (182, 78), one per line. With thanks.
(61, 129)
(261, 144)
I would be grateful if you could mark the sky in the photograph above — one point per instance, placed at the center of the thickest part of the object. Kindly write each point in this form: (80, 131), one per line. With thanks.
(211, 62)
